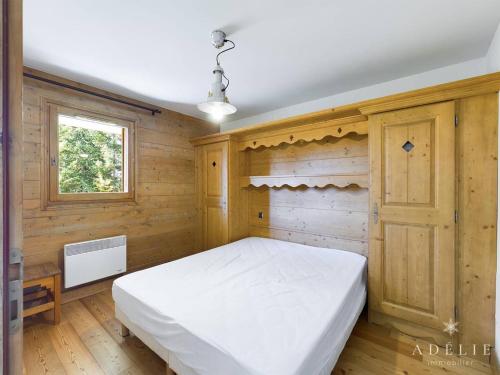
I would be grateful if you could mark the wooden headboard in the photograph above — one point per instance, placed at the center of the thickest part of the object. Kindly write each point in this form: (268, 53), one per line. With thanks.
(309, 185)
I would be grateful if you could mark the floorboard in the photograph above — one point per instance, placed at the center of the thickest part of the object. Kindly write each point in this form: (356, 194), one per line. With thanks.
(88, 342)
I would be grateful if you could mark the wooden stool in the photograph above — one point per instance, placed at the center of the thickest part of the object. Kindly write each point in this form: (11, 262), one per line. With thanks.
(42, 290)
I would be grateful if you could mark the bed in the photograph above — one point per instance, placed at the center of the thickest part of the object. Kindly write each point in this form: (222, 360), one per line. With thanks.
(255, 306)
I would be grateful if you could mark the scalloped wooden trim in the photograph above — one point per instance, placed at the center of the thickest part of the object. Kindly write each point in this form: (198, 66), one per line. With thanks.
(340, 181)
(306, 133)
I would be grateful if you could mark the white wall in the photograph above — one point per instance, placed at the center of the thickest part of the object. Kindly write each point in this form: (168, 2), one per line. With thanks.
(493, 56)
(433, 77)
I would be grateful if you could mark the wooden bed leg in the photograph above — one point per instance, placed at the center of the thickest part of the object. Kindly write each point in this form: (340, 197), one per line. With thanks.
(124, 331)
(169, 371)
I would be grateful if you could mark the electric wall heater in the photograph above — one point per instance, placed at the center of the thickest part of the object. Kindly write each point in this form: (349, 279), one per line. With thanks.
(93, 260)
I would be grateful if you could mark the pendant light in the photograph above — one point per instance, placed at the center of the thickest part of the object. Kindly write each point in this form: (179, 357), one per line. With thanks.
(217, 104)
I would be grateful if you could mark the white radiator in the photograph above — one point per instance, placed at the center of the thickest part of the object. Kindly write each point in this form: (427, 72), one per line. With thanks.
(93, 260)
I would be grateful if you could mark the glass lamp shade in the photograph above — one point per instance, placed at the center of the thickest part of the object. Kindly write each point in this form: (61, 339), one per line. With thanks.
(217, 104)
(217, 109)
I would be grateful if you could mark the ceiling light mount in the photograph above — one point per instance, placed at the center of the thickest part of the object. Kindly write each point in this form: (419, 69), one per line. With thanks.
(217, 103)
(218, 38)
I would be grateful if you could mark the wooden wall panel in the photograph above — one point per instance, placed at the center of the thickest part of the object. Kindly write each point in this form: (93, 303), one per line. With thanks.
(477, 202)
(312, 158)
(345, 224)
(325, 217)
(160, 225)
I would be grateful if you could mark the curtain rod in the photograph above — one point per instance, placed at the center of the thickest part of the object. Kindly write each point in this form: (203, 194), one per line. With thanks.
(85, 91)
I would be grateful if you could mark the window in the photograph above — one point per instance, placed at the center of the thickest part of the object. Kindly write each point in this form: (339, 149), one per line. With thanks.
(90, 156)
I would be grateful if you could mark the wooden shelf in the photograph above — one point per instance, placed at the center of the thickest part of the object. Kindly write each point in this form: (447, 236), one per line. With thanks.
(333, 128)
(310, 181)
(42, 290)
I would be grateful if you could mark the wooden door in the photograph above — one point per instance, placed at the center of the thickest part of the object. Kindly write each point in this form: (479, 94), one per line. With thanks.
(215, 193)
(11, 214)
(412, 222)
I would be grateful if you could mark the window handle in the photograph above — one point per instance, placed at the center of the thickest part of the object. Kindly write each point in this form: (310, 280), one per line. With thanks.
(53, 161)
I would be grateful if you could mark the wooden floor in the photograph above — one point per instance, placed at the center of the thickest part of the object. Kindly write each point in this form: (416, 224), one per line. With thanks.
(87, 341)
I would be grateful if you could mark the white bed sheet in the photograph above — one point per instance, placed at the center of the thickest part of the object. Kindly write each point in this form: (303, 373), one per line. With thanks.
(254, 307)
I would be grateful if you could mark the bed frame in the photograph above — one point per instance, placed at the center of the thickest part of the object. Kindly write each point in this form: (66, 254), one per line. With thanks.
(171, 362)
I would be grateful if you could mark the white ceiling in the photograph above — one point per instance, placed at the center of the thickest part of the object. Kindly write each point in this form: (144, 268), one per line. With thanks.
(287, 51)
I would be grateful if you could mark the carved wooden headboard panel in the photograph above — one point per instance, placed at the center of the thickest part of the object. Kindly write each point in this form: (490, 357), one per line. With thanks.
(309, 186)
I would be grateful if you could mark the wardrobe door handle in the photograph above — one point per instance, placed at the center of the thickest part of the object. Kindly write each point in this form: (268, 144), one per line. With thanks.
(375, 213)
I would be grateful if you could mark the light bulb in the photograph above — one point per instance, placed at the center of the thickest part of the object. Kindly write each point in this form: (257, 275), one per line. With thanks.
(217, 115)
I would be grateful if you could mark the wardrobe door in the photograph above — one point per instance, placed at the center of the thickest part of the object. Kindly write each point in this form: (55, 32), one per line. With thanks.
(412, 225)
(215, 192)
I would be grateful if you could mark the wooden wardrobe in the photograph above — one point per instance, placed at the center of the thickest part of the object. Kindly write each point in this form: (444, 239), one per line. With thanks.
(433, 214)
(217, 192)
(431, 199)
(412, 198)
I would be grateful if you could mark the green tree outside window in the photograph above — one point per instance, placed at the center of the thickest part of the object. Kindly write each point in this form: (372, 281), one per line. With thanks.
(90, 161)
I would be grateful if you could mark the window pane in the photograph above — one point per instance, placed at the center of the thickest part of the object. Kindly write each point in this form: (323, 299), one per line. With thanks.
(90, 155)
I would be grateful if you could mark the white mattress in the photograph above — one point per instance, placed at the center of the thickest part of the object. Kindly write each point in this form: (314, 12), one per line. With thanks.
(256, 306)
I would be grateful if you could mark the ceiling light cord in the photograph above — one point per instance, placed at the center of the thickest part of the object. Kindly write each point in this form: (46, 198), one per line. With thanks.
(218, 63)
(227, 49)
(227, 82)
